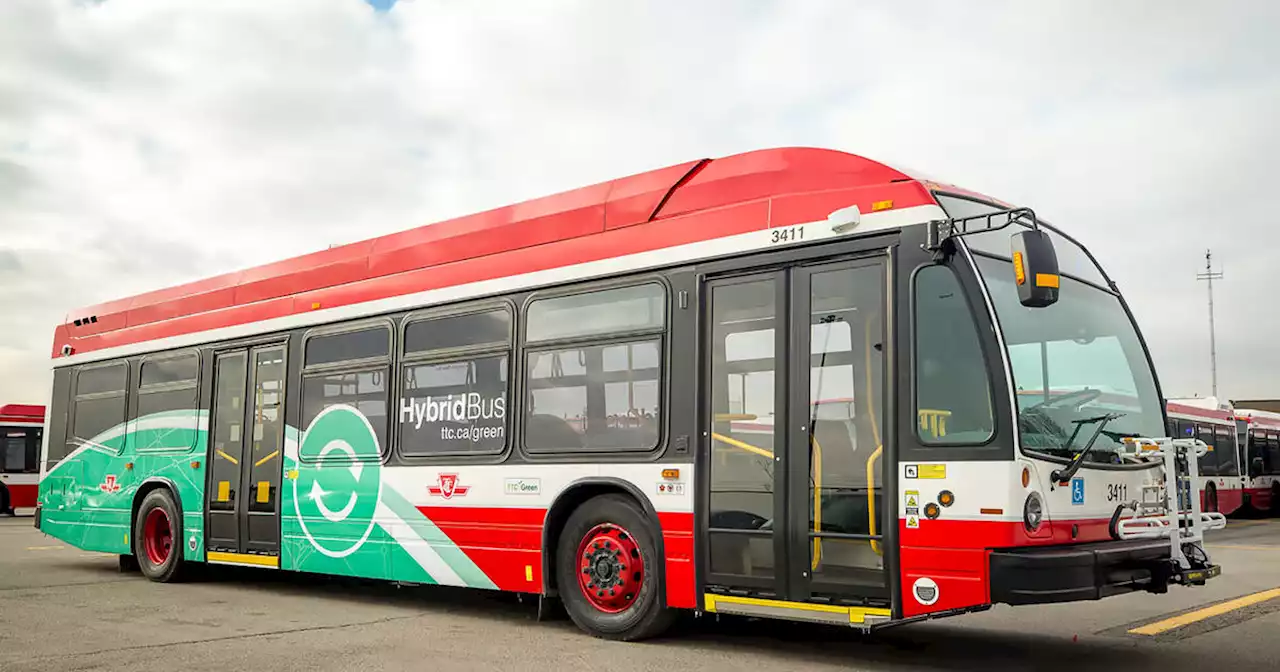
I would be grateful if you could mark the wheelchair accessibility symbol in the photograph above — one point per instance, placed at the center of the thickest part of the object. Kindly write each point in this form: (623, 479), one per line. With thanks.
(1077, 491)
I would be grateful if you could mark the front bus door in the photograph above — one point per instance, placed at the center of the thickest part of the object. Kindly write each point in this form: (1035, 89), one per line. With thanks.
(795, 430)
(245, 453)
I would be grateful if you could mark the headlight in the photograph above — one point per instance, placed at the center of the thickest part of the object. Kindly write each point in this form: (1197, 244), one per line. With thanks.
(1033, 512)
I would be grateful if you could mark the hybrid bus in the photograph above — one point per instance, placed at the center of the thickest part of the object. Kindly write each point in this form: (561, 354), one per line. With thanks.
(791, 383)
(1221, 479)
(1259, 435)
(21, 429)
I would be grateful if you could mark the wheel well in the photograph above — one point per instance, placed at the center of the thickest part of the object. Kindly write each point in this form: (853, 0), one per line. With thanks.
(574, 496)
(147, 488)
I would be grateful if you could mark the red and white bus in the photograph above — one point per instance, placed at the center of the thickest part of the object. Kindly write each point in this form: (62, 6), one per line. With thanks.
(1259, 435)
(1221, 479)
(21, 432)
(782, 383)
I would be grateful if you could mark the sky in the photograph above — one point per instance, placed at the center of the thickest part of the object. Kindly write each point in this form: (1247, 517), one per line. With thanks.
(144, 144)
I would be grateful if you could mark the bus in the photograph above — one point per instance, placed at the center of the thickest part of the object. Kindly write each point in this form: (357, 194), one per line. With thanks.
(1221, 480)
(21, 429)
(776, 384)
(1259, 435)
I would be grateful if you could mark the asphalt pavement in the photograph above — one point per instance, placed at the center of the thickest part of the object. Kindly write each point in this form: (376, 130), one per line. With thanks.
(64, 609)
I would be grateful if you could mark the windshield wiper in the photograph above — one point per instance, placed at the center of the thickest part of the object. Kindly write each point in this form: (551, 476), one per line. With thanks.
(1062, 476)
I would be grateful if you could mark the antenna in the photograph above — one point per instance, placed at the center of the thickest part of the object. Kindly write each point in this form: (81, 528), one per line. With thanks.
(1210, 275)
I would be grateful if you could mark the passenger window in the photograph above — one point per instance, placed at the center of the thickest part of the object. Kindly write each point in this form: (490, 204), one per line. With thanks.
(600, 395)
(953, 390)
(167, 400)
(349, 368)
(98, 407)
(454, 382)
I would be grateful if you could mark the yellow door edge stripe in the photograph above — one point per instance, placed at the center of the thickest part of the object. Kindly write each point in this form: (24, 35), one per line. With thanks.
(243, 559)
(1205, 613)
(856, 614)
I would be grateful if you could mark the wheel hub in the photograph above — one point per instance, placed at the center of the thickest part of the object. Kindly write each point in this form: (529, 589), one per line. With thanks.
(612, 568)
(157, 536)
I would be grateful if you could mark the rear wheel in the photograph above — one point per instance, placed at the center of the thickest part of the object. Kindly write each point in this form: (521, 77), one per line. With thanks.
(4, 501)
(1210, 498)
(157, 534)
(1275, 497)
(608, 570)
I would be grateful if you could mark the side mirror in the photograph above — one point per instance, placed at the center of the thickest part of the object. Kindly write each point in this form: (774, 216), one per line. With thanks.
(1035, 268)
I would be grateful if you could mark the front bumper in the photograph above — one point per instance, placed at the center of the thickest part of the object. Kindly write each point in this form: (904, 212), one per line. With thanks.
(1093, 571)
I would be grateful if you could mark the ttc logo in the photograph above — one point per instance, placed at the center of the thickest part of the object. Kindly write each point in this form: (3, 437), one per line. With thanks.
(448, 487)
(339, 480)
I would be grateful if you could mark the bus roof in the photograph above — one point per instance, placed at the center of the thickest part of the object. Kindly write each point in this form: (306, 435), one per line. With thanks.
(685, 204)
(1200, 412)
(1261, 418)
(21, 413)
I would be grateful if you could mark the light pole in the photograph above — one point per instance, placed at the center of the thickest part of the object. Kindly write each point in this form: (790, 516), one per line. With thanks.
(1210, 275)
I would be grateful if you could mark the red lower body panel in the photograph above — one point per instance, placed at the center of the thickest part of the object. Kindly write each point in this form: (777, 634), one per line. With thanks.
(506, 544)
(22, 496)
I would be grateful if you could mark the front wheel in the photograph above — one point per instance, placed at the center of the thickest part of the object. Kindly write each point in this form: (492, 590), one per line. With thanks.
(157, 523)
(608, 570)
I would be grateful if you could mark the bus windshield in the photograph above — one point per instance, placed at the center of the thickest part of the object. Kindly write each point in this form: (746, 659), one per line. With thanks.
(1073, 362)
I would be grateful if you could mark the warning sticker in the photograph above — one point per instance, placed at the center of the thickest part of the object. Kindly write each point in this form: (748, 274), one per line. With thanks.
(913, 499)
(913, 522)
(933, 471)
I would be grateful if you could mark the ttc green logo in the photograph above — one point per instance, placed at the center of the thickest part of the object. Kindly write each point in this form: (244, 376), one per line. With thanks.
(339, 481)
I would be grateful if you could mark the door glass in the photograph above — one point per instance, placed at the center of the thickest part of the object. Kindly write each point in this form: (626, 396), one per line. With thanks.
(846, 353)
(268, 434)
(228, 433)
(743, 396)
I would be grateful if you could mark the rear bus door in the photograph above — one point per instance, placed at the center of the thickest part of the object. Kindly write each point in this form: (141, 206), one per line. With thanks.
(246, 450)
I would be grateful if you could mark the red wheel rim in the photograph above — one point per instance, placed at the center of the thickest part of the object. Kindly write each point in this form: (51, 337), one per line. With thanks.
(610, 568)
(157, 536)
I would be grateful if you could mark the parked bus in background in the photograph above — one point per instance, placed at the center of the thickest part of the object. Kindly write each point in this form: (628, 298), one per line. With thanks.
(1259, 434)
(21, 433)
(1221, 478)
(776, 384)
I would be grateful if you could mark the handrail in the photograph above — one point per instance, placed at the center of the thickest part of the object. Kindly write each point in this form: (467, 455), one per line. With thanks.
(742, 445)
(817, 501)
(934, 420)
(875, 435)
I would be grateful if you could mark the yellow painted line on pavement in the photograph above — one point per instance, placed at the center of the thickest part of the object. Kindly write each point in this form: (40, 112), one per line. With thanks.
(45, 548)
(1245, 547)
(1208, 612)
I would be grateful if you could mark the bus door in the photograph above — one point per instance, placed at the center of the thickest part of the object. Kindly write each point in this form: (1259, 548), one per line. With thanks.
(245, 453)
(794, 428)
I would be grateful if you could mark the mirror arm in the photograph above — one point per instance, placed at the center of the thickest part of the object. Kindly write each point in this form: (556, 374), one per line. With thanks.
(942, 230)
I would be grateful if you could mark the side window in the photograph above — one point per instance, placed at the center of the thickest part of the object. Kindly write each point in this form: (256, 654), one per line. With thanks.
(350, 368)
(454, 380)
(1226, 450)
(593, 366)
(168, 390)
(953, 390)
(13, 450)
(98, 406)
(1209, 462)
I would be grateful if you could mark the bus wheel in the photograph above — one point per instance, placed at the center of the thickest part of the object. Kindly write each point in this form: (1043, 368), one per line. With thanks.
(607, 570)
(156, 525)
(1210, 498)
(4, 501)
(1275, 497)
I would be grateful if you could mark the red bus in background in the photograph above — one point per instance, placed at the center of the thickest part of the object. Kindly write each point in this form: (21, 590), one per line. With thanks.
(21, 433)
(1258, 433)
(1221, 469)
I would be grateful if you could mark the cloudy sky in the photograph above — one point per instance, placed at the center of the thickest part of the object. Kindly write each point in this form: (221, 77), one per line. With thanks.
(147, 143)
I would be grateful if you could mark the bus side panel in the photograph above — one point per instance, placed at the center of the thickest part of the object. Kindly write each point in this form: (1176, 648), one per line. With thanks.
(87, 498)
(473, 526)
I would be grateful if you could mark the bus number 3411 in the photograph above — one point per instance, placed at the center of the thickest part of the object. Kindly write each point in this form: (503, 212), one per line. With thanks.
(1117, 492)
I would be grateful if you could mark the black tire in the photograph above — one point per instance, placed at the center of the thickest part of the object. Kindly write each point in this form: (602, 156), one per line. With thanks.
(1210, 498)
(1275, 497)
(4, 501)
(646, 616)
(172, 568)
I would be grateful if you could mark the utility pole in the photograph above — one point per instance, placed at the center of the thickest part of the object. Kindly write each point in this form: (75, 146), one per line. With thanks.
(1210, 275)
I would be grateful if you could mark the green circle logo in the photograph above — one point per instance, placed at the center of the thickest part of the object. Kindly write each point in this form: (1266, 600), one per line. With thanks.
(339, 480)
